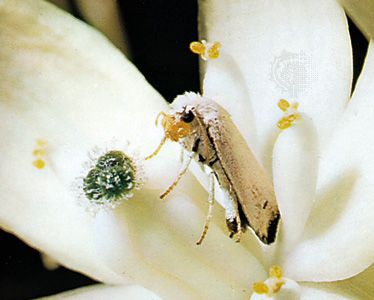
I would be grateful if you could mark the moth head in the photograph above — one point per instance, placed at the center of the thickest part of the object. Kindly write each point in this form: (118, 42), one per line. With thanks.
(176, 126)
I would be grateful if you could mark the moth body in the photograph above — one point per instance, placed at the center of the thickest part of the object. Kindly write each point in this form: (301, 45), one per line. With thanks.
(215, 141)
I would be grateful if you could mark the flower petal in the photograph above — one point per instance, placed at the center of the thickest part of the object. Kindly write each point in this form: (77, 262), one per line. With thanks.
(338, 242)
(100, 291)
(105, 16)
(165, 244)
(315, 291)
(297, 50)
(295, 169)
(62, 82)
(362, 13)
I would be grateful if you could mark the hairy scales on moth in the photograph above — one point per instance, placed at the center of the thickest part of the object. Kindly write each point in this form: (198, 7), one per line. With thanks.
(206, 131)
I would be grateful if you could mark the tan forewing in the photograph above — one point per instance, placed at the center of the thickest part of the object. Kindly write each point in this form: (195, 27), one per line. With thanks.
(249, 181)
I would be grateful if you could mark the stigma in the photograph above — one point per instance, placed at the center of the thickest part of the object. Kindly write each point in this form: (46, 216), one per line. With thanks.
(206, 50)
(108, 179)
(276, 287)
(291, 114)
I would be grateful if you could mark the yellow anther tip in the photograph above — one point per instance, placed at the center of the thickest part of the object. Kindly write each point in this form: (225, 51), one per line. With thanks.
(197, 47)
(260, 288)
(39, 152)
(283, 104)
(213, 51)
(41, 143)
(275, 272)
(284, 123)
(39, 163)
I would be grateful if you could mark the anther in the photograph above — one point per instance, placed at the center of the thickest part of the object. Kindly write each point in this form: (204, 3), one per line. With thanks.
(260, 288)
(206, 50)
(39, 153)
(291, 115)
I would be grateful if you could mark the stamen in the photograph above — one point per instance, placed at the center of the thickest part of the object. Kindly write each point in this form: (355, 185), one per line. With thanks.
(276, 287)
(197, 48)
(260, 288)
(213, 51)
(291, 114)
(206, 50)
(39, 163)
(283, 104)
(275, 272)
(39, 153)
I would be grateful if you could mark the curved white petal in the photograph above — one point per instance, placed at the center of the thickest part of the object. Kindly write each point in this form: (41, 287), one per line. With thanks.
(295, 169)
(338, 241)
(320, 293)
(358, 287)
(131, 292)
(64, 83)
(297, 50)
(105, 16)
(362, 13)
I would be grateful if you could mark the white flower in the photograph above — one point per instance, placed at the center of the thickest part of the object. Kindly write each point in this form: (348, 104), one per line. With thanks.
(64, 83)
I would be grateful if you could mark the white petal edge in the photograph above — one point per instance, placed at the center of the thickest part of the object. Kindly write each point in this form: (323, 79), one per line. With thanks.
(297, 50)
(132, 292)
(362, 13)
(338, 241)
(295, 170)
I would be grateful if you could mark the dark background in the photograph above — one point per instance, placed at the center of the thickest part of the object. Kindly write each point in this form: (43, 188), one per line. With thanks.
(159, 32)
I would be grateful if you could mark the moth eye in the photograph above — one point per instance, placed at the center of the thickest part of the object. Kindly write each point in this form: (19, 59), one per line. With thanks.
(188, 117)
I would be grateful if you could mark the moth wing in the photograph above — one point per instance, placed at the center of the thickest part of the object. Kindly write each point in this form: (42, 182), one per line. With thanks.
(249, 181)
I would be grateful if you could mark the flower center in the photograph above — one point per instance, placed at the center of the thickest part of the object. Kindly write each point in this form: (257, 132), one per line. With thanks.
(39, 154)
(276, 287)
(206, 50)
(291, 114)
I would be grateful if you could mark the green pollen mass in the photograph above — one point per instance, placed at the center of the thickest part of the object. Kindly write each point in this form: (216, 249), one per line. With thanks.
(112, 178)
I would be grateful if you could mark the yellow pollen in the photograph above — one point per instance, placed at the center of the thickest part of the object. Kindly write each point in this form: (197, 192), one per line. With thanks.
(284, 123)
(260, 288)
(41, 143)
(213, 51)
(284, 105)
(275, 272)
(39, 163)
(197, 47)
(291, 115)
(206, 50)
(39, 153)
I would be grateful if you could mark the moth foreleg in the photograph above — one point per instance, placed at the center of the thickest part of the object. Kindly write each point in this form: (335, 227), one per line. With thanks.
(182, 171)
(210, 209)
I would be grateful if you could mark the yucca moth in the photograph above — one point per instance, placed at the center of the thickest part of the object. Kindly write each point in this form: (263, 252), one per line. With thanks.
(207, 132)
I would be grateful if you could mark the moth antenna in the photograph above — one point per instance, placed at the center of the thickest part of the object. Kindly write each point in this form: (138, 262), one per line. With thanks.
(180, 175)
(210, 209)
(157, 149)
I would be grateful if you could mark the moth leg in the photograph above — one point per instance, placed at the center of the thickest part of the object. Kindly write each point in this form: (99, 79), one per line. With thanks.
(182, 155)
(239, 229)
(182, 171)
(210, 209)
